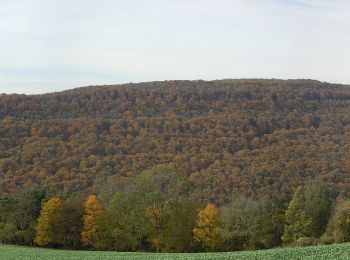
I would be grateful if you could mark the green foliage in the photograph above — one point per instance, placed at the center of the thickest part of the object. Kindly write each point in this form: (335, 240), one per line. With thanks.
(241, 223)
(297, 223)
(248, 224)
(7, 205)
(142, 214)
(18, 213)
(8, 232)
(318, 203)
(179, 221)
(126, 220)
(71, 226)
(162, 179)
(154, 213)
(272, 229)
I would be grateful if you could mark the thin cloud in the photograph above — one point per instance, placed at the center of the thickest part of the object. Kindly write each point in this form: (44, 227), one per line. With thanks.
(51, 45)
(315, 4)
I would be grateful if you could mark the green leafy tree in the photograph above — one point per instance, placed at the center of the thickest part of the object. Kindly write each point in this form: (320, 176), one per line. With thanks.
(8, 232)
(139, 216)
(7, 206)
(20, 211)
(27, 208)
(179, 220)
(249, 224)
(273, 214)
(170, 223)
(241, 223)
(319, 204)
(127, 223)
(72, 223)
(163, 179)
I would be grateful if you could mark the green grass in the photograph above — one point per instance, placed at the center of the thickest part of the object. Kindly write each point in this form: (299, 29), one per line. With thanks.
(318, 252)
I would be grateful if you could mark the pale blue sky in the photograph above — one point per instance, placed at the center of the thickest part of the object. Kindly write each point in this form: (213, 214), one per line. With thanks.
(51, 45)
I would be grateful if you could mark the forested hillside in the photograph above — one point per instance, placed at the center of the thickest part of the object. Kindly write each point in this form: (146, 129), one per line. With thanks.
(249, 137)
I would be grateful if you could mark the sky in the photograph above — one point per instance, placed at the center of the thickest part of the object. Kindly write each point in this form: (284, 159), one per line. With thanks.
(52, 45)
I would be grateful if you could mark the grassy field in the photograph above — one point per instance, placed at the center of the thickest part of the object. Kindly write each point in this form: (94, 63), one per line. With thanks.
(320, 252)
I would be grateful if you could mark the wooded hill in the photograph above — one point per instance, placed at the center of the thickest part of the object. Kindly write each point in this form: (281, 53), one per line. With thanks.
(230, 137)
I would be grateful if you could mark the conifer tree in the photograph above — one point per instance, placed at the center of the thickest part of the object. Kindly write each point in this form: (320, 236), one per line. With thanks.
(297, 224)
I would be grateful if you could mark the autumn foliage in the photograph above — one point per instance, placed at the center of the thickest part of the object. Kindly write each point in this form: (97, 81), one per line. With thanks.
(156, 153)
(229, 137)
(153, 214)
(49, 222)
(207, 230)
(92, 211)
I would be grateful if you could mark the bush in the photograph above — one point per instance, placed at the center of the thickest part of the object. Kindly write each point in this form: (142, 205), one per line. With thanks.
(307, 241)
(338, 229)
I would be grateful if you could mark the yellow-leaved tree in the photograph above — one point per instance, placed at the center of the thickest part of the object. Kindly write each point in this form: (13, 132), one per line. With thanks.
(49, 222)
(154, 215)
(207, 230)
(92, 210)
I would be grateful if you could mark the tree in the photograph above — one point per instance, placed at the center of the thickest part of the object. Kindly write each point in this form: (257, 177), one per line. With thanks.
(240, 222)
(273, 214)
(139, 216)
(249, 224)
(49, 223)
(297, 223)
(319, 202)
(92, 211)
(8, 232)
(163, 179)
(179, 219)
(7, 205)
(7, 227)
(170, 223)
(155, 213)
(127, 222)
(338, 229)
(25, 213)
(207, 230)
(21, 211)
(72, 225)
(26, 205)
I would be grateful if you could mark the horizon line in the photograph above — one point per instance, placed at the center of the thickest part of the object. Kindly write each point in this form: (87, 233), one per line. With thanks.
(169, 80)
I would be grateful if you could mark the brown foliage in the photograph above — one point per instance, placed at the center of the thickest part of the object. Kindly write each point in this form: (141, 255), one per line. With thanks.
(249, 137)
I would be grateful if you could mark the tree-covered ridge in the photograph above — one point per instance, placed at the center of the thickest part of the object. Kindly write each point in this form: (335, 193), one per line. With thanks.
(189, 98)
(229, 137)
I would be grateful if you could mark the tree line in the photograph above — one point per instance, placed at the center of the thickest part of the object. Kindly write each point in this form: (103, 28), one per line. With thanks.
(155, 213)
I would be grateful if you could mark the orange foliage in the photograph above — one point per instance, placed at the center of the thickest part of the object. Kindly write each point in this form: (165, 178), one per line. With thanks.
(92, 211)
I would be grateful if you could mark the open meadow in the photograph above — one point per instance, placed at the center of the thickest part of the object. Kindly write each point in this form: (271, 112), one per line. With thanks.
(339, 252)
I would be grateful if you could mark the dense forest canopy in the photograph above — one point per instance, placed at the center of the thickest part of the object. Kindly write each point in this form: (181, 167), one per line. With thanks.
(229, 137)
